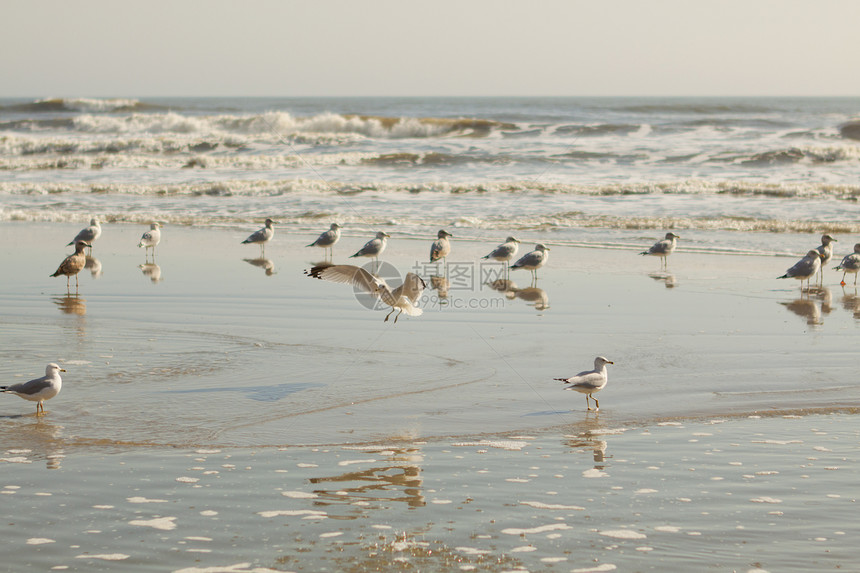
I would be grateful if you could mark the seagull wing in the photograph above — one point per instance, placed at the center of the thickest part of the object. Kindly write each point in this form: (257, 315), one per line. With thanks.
(30, 388)
(349, 274)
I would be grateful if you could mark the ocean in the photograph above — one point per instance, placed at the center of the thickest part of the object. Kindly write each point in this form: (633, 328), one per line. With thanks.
(603, 172)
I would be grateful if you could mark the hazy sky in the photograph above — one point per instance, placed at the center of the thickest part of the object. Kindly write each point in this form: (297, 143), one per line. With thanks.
(108, 48)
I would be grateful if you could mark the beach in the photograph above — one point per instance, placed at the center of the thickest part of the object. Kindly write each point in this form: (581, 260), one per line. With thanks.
(229, 413)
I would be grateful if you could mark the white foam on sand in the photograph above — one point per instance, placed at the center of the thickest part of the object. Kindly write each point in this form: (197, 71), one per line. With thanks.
(163, 523)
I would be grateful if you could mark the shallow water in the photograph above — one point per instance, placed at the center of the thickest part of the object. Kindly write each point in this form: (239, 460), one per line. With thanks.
(220, 353)
(744, 494)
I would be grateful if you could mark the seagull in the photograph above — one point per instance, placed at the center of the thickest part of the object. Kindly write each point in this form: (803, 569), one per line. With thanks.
(850, 264)
(663, 248)
(590, 381)
(151, 238)
(805, 268)
(73, 264)
(826, 250)
(327, 239)
(374, 247)
(441, 247)
(533, 261)
(88, 234)
(505, 251)
(262, 236)
(40, 389)
(402, 298)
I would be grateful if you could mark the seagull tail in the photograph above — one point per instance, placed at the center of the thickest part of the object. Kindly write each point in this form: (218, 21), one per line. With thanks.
(413, 311)
(785, 276)
(565, 380)
(645, 253)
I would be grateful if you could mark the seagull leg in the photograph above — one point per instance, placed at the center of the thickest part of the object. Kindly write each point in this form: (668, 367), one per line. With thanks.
(596, 404)
(389, 314)
(587, 403)
(398, 315)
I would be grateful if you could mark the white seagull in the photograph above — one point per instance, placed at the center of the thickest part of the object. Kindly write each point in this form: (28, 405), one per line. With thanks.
(262, 236)
(663, 248)
(327, 239)
(88, 234)
(504, 252)
(590, 381)
(805, 268)
(403, 298)
(826, 251)
(151, 238)
(441, 247)
(374, 247)
(40, 389)
(533, 260)
(850, 264)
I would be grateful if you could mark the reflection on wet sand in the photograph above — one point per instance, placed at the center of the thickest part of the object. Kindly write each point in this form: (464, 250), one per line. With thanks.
(441, 285)
(36, 440)
(151, 270)
(666, 278)
(266, 264)
(536, 296)
(71, 304)
(851, 302)
(818, 301)
(588, 438)
(94, 266)
(399, 480)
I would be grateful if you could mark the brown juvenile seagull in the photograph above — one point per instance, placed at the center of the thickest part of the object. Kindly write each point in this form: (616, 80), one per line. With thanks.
(73, 264)
(590, 381)
(40, 389)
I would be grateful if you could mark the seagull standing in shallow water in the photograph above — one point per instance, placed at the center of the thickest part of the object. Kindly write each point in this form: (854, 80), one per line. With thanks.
(151, 238)
(533, 261)
(327, 239)
(73, 264)
(262, 236)
(805, 268)
(663, 249)
(374, 247)
(88, 234)
(590, 381)
(850, 264)
(826, 251)
(40, 389)
(441, 247)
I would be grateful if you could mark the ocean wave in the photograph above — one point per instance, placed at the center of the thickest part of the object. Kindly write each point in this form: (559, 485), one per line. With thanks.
(269, 126)
(81, 105)
(535, 189)
(790, 155)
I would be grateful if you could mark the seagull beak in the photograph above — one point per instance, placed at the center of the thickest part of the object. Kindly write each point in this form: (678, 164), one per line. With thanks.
(62, 369)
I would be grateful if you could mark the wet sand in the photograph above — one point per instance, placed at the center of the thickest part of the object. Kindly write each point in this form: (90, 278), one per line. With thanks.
(227, 362)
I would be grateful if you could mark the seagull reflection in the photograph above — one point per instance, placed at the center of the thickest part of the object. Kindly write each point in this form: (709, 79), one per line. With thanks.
(590, 441)
(534, 295)
(71, 304)
(266, 264)
(399, 480)
(94, 265)
(851, 302)
(805, 308)
(151, 270)
(667, 278)
(440, 285)
(39, 440)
